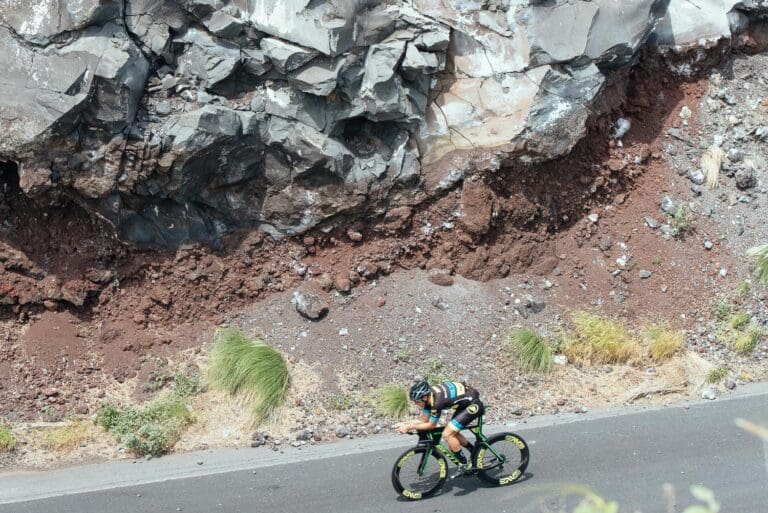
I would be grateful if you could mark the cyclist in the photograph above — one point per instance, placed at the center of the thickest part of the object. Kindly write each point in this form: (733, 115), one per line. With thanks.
(464, 399)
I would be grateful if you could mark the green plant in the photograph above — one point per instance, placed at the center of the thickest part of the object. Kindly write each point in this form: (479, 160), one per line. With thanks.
(531, 350)
(391, 401)
(149, 430)
(186, 385)
(663, 341)
(682, 219)
(600, 340)
(737, 320)
(657, 261)
(434, 371)
(251, 369)
(721, 309)
(760, 254)
(7, 440)
(716, 375)
(744, 288)
(403, 354)
(69, 436)
(744, 342)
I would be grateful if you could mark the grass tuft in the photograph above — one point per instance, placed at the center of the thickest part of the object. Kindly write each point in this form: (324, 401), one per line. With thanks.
(251, 369)
(531, 350)
(716, 375)
(68, 437)
(391, 401)
(600, 340)
(7, 440)
(738, 320)
(760, 253)
(663, 341)
(744, 342)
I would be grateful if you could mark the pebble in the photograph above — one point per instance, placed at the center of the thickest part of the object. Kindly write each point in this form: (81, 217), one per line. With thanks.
(730, 384)
(651, 222)
(644, 275)
(708, 244)
(723, 272)
(560, 359)
(708, 394)
(696, 177)
(593, 218)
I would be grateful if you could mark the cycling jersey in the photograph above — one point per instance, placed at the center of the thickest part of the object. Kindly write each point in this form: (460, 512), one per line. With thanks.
(457, 396)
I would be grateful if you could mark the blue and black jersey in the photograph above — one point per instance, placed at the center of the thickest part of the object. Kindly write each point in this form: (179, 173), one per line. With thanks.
(450, 394)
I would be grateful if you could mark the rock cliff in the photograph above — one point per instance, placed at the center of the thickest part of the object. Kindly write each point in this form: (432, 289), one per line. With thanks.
(181, 120)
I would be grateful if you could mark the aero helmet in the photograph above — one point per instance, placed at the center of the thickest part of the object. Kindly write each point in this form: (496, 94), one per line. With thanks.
(419, 390)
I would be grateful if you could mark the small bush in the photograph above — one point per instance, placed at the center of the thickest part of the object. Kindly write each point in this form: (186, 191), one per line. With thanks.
(600, 340)
(253, 370)
(716, 375)
(531, 350)
(186, 385)
(150, 430)
(682, 219)
(738, 320)
(663, 341)
(7, 440)
(391, 401)
(721, 308)
(760, 253)
(744, 342)
(68, 437)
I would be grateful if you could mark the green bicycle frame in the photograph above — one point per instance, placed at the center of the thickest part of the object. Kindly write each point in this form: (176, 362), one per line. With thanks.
(431, 439)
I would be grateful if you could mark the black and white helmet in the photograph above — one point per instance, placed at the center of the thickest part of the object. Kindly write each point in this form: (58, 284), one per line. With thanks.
(419, 390)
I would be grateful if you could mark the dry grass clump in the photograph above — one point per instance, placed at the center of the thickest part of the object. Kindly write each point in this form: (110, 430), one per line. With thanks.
(600, 340)
(68, 437)
(663, 341)
(250, 369)
(532, 351)
(7, 440)
(760, 254)
(391, 401)
(745, 341)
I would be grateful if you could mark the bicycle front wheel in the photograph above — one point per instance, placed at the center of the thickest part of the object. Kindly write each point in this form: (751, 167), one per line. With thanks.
(502, 459)
(419, 473)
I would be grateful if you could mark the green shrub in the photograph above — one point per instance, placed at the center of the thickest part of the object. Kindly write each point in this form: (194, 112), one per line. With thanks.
(600, 340)
(391, 401)
(760, 253)
(716, 375)
(663, 341)
(721, 308)
(682, 220)
(738, 320)
(531, 350)
(7, 440)
(149, 430)
(253, 370)
(744, 342)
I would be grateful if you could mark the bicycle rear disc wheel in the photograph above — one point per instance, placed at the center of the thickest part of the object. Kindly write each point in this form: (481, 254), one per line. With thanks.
(412, 484)
(499, 472)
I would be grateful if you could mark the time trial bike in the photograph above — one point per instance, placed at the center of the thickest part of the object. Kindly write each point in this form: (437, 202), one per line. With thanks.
(498, 460)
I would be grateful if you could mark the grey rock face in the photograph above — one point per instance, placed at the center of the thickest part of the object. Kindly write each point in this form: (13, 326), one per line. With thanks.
(282, 114)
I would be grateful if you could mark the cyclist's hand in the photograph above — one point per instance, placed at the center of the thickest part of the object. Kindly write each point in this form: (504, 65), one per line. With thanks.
(403, 427)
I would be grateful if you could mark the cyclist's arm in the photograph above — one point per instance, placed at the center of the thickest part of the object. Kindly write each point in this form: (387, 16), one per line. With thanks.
(421, 425)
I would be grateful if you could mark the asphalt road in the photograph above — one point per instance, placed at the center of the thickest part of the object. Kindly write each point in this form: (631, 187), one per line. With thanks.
(623, 455)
